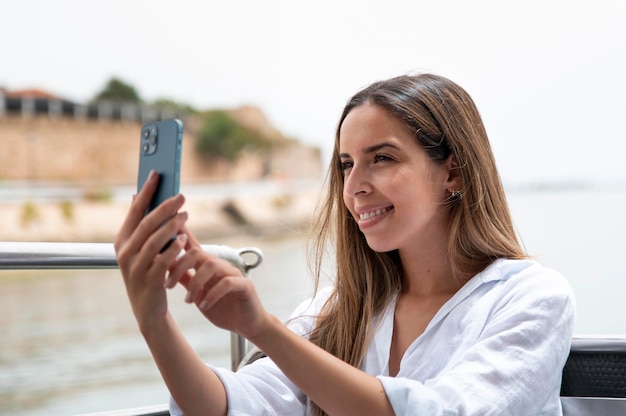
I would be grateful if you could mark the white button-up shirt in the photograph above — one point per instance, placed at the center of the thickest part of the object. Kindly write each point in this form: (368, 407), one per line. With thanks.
(497, 347)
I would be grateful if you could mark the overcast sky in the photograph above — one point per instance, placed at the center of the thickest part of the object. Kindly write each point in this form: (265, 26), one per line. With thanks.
(547, 76)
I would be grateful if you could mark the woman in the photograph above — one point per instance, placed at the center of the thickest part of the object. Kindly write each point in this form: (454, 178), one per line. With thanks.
(435, 310)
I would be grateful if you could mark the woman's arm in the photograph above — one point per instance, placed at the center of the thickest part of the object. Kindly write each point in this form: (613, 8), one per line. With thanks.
(194, 386)
(334, 385)
(144, 268)
(229, 301)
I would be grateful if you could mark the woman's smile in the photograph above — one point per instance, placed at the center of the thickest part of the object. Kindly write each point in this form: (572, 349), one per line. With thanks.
(370, 218)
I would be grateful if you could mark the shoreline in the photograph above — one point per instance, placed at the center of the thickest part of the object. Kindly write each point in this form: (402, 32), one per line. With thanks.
(286, 209)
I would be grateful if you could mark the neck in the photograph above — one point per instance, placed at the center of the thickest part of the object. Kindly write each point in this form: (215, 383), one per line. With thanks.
(427, 275)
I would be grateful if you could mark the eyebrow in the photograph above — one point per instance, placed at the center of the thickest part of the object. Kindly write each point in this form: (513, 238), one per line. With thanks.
(372, 149)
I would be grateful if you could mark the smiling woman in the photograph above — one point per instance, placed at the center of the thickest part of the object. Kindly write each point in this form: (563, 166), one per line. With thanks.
(414, 147)
(419, 270)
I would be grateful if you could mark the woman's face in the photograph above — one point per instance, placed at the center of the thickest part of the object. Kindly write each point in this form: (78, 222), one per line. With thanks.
(392, 189)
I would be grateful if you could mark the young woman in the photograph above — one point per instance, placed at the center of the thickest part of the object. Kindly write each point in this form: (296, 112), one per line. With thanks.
(435, 309)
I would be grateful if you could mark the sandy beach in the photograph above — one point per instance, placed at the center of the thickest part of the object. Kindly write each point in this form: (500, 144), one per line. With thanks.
(275, 209)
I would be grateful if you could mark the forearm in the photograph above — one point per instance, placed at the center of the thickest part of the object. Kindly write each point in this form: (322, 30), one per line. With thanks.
(195, 388)
(334, 385)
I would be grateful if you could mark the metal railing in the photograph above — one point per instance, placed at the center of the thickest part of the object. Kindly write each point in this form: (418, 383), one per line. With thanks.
(38, 256)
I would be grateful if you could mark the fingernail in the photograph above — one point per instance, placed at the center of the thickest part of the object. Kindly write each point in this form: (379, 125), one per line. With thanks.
(169, 282)
(182, 238)
(152, 175)
(203, 305)
(188, 297)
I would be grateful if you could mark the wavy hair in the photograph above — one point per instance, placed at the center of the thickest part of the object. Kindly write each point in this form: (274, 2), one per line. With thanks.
(444, 121)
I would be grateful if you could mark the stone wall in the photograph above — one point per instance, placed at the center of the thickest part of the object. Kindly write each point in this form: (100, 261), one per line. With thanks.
(106, 152)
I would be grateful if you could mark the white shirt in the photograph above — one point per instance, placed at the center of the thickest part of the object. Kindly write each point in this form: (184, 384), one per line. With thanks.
(497, 347)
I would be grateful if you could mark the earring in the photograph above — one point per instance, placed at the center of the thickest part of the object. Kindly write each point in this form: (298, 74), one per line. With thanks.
(456, 195)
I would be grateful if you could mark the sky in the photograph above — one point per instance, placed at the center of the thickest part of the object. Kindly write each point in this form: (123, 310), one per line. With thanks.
(547, 76)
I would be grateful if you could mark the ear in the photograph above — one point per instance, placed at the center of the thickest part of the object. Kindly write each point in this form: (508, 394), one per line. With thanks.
(453, 182)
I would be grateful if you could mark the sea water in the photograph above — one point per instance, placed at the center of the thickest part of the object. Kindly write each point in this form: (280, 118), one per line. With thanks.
(69, 343)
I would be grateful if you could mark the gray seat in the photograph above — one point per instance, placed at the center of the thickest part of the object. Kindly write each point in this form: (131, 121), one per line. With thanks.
(594, 378)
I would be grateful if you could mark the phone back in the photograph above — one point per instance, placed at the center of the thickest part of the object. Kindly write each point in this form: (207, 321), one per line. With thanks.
(160, 150)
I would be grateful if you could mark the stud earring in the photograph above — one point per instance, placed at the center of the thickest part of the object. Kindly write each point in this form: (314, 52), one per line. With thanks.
(456, 195)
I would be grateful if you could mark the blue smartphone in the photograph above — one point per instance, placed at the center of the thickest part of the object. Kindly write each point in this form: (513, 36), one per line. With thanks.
(160, 150)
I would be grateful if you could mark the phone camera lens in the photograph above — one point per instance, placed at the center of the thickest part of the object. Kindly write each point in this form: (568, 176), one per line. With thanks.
(149, 139)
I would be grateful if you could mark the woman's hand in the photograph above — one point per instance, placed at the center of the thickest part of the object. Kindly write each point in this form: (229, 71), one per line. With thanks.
(219, 289)
(138, 247)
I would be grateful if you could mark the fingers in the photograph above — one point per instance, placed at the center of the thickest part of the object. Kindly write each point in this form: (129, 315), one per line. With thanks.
(167, 257)
(207, 275)
(142, 254)
(209, 271)
(222, 287)
(213, 280)
(192, 240)
(219, 289)
(192, 259)
(137, 208)
(180, 269)
(158, 237)
(160, 219)
(153, 231)
(152, 255)
(139, 227)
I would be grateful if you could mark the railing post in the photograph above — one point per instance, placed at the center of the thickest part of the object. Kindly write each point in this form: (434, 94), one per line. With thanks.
(2, 103)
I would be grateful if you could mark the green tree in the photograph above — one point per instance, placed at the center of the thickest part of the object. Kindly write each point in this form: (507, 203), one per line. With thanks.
(222, 137)
(175, 105)
(118, 90)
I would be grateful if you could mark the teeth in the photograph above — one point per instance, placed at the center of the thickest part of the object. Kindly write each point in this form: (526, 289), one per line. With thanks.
(372, 214)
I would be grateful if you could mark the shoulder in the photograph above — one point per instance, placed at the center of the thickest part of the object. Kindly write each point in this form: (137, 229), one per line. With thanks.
(525, 273)
(527, 282)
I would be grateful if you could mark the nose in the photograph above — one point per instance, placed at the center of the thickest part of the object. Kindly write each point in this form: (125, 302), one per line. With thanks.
(356, 182)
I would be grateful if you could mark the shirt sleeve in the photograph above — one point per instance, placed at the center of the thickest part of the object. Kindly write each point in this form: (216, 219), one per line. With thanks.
(514, 366)
(261, 388)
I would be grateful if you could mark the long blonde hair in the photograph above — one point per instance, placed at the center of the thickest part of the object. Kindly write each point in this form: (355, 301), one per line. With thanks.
(445, 121)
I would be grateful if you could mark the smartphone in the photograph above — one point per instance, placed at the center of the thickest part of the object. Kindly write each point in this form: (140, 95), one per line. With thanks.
(160, 150)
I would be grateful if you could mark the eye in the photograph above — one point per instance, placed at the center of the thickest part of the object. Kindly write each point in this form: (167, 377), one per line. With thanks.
(380, 157)
(345, 165)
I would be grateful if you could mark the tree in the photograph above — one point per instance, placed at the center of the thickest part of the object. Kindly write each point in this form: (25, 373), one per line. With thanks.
(222, 137)
(174, 105)
(118, 90)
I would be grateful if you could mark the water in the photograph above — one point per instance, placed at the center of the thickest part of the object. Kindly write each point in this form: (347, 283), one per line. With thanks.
(69, 343)
(581, 234)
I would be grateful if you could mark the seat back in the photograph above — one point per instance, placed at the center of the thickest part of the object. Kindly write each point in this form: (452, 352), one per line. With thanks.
(594, 377)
